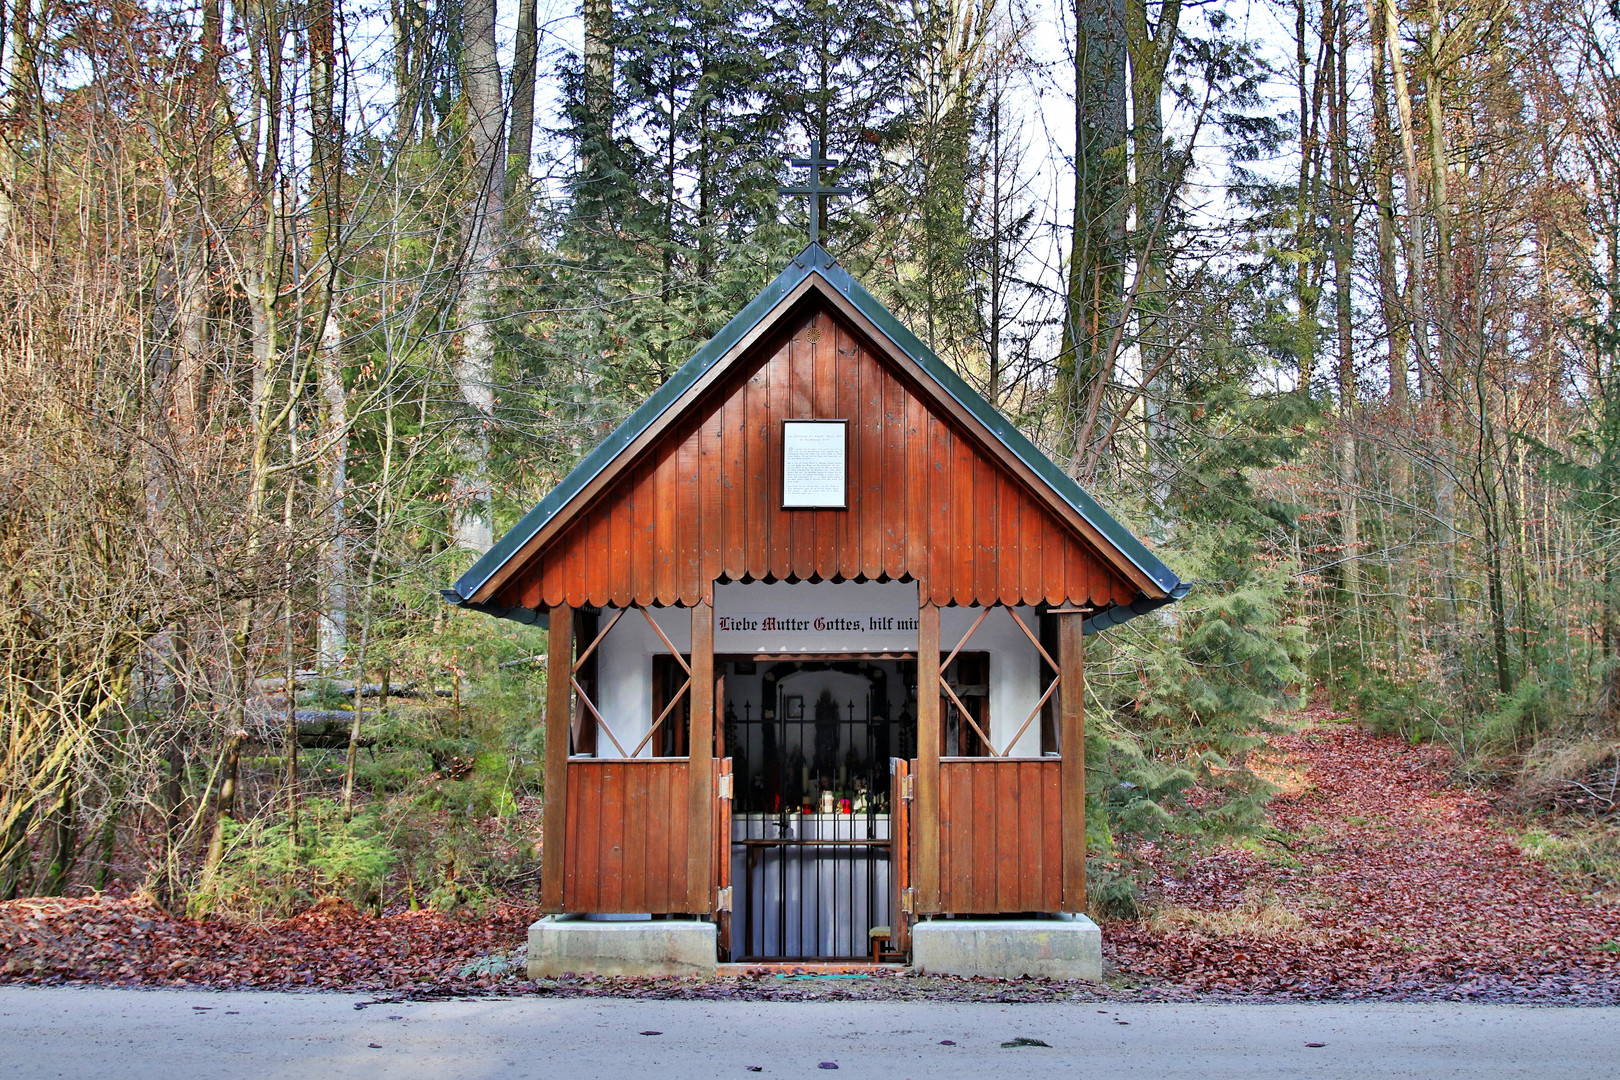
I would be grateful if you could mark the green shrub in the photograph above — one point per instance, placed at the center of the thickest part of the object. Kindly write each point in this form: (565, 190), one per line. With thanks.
(1415, 711)
(1181, 701)
(269, 871)
(1515, 723)
(1584, 854)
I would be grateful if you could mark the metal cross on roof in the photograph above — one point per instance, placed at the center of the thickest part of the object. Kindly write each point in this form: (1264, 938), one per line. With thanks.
(814, 187)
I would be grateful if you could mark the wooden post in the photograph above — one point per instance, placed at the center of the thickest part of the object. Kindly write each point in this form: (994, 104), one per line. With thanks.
(900, 915)
(700, 771)
(1072, 665)
(722, 851)
(559, 704)
(927, 803)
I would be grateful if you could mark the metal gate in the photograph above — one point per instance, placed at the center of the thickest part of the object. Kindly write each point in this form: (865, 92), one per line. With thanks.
(811, 889)
(812, 847)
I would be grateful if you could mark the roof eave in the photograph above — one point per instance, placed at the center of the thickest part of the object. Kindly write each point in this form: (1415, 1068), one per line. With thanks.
(1119, 614)
(1106, 619)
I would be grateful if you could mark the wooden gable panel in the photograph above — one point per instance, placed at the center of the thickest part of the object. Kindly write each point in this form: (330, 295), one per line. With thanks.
(926, 499)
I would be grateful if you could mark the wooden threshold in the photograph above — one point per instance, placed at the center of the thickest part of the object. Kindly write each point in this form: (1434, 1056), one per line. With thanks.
(787, 967)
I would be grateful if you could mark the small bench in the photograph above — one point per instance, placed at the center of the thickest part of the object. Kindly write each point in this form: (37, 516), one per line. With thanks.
(879, 937)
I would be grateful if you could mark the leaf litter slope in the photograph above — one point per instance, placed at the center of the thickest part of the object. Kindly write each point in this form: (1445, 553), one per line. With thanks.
(1383, 880)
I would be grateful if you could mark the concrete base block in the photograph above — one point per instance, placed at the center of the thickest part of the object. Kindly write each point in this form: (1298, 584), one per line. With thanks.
(572, 944)
(1060, 947)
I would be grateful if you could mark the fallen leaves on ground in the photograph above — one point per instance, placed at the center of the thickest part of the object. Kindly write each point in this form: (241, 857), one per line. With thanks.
(1383, 881)
(330, 947)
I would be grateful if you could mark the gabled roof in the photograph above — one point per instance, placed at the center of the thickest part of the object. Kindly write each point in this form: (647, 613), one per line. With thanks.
(815, 267)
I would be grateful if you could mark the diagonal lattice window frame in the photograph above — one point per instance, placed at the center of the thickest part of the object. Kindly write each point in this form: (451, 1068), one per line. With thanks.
(589, 706)
(967, 714)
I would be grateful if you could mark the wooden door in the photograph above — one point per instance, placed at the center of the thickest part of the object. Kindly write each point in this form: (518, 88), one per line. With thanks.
(722, 854)
(900, 796)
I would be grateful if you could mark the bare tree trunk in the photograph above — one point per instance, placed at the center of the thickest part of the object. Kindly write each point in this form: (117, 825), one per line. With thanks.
(263, 288)
(1490, 512)
(107, 841)
(64, 829)
(1397, 321)
(332, 626)
(289, 667)
(353, 755)
(1308, 269)
(473, 527)
(1417, 245)
(599, 109)
(995, 117)
(224, 802)
(1440, 202)
(1150, 51)
(14, 856)
(1448, 374)
(174, 763)
(1397, 324)
(1096, 258)
(19, 52)
(520, 139)
(1340, 195)
(408, 18)
(1429, 378)
(194, 268)
(326, 124)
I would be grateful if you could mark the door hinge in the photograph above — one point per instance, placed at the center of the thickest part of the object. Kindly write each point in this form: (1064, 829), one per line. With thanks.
(722, 899)
(908, 788)
(723, 789)
(908, 900)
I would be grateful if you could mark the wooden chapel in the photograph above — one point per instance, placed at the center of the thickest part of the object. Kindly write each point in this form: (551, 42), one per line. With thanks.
(816, 617)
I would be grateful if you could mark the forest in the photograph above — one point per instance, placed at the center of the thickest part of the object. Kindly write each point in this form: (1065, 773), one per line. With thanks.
(303, 302)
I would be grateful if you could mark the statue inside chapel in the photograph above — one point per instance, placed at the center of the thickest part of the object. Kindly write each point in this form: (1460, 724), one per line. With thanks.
(826, 761)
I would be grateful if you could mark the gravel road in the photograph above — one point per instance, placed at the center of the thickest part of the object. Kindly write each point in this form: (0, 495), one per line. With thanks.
(171, 1035)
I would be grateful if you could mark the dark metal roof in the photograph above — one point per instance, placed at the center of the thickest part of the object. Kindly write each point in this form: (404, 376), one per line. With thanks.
(815, 260)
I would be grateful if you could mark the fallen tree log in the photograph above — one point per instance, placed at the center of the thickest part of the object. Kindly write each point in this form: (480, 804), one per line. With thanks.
(277, 684)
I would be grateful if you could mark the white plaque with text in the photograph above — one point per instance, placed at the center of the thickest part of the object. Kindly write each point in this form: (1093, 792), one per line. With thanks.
(815, 471)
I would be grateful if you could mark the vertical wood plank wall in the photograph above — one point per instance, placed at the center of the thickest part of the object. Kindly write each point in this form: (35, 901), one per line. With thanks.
(721, 837)
(900, 858)
(926, 499)
(993, 835)
(1000, 835)
(626, 836)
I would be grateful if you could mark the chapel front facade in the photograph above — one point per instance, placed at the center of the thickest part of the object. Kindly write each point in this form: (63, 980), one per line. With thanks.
(816, 617)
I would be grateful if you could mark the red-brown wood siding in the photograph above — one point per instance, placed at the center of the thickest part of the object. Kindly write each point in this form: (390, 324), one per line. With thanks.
(1000, 836)
(625, 845)
(926, 499)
